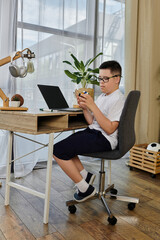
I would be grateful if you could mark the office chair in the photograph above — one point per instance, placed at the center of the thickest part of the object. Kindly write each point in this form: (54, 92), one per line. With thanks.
(126, 139)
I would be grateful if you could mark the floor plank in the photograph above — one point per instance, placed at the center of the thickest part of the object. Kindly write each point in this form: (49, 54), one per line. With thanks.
(53, 236)
(11, 226)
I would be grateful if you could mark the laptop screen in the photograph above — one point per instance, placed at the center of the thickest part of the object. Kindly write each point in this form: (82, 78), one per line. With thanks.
(53, 96)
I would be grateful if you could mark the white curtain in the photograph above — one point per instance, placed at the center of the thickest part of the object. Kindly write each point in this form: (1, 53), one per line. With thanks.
(8, 13)
(142, 65)
(53, 30)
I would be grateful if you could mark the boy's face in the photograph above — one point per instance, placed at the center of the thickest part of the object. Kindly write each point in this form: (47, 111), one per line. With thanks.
(110, 85)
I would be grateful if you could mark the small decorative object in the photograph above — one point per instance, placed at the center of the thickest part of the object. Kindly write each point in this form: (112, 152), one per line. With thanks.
(17, 100)
(30, 66)
(154, 147)
(84, 92)
(15, 103)
(83, 73)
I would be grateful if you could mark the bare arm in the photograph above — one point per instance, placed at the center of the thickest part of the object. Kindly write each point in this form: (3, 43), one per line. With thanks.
(108, 126)
(88, 116)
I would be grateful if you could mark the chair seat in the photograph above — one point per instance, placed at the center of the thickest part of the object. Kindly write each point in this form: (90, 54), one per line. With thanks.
(111, 155)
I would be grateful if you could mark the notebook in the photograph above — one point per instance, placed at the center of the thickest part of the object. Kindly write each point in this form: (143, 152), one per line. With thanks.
(55, 99)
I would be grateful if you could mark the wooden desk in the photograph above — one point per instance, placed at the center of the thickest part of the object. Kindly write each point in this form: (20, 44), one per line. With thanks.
(37, 123)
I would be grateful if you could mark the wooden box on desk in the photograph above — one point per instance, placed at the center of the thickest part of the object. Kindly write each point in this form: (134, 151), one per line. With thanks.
(144, 159)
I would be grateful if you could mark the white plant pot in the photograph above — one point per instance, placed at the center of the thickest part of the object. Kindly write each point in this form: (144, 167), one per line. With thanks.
(15, 103)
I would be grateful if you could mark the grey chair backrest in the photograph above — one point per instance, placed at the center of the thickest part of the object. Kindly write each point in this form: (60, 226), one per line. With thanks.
(126, 132)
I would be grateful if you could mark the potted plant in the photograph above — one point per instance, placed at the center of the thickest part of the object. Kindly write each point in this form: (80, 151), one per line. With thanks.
(17, 100)
(83, 73)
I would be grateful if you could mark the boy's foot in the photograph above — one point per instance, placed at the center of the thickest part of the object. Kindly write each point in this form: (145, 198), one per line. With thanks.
(90, 178)
(81, 197)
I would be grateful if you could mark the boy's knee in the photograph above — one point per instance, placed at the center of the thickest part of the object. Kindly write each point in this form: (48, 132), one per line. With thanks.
(56, 149)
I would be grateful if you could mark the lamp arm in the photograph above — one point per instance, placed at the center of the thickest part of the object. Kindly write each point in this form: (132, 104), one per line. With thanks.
(4, 98)
(18, 54)
(8, 59)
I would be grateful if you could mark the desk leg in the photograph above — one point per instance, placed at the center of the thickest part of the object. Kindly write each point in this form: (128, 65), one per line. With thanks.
(48, 178)
(8, 168)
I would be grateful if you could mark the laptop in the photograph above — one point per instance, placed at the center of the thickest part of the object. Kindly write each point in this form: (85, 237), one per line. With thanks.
(55, 99)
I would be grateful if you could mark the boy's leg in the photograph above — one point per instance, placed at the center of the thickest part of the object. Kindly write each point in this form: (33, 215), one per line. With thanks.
(85, 190)
(78, 163)
(89, 177)
(70, 168)
(75, 170)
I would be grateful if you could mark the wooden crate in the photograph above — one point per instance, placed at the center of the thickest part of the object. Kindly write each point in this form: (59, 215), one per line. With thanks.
(144, 159)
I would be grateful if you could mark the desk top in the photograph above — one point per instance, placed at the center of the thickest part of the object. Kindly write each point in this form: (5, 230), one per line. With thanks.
(38, 122)
(37, 112)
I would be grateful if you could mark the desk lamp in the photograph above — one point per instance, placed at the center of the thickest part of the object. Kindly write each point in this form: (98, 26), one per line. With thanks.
(15, 70)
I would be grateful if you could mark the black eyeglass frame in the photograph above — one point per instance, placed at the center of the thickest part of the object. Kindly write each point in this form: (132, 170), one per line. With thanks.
(106, 79)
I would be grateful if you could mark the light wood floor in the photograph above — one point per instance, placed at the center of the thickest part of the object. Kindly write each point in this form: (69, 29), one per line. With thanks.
(23, 219)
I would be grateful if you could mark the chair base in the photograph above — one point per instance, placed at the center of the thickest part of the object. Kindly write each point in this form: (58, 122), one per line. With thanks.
(102, 194)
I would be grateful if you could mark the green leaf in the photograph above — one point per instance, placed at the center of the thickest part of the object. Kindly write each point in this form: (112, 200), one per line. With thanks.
(96, 70)
(77, 73)
(88, 61)
(89, 76)
(76, 62)
(70, 75)
(82, 66)
(95, 58)
(95, 82)
(84, 74)
(75, 81)
(79, 80)
(67, 62)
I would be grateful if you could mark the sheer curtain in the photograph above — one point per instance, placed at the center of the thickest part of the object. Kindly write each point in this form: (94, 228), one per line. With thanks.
(53, 30)
(142, 65)
(8, 18)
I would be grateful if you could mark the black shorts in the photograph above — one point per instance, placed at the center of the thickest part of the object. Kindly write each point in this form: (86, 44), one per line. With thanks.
(79, 143)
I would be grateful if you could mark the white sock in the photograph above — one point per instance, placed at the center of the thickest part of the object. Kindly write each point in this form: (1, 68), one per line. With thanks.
(82, 185)
(84, 173)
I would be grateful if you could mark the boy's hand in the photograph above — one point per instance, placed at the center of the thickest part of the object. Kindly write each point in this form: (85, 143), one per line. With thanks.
(86, 101)
(79, 101)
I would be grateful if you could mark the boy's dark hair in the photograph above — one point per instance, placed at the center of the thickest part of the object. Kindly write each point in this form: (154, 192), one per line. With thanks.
(114, 67)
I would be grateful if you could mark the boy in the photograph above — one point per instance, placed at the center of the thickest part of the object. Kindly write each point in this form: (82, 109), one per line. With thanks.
(101, 135)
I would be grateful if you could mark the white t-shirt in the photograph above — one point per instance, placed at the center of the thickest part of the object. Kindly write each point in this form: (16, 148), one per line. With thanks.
(111, 106)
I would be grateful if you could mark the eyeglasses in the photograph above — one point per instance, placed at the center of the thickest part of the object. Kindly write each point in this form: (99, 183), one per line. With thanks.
(106, 79)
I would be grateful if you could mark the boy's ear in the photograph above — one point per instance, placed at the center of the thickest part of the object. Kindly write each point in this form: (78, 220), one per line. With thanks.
(118, 79)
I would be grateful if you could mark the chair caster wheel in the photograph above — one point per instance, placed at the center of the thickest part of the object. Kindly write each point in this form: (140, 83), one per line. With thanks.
(153, 175)
(131, 168)
(113, 191)
(131, 206)
(72, 209)
(112, 220)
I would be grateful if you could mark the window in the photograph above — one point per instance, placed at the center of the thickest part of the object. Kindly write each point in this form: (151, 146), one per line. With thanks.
(54, 29)
(110, 31)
